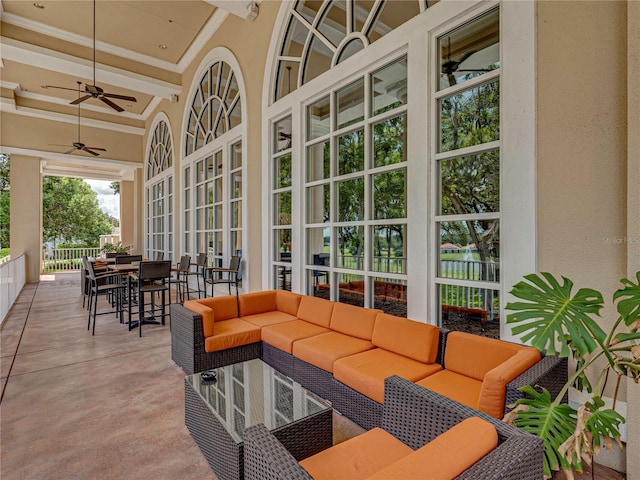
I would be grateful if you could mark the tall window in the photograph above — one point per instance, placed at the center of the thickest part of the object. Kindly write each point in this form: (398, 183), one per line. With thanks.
(467, 166)
(281, 185)
(159, 192)
(213, 170)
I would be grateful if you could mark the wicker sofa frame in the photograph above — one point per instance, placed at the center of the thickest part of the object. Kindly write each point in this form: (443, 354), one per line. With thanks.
(415, 416)
(187, 351)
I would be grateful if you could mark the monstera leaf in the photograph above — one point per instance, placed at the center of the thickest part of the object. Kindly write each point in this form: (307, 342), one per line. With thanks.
(629, 305)
(549, 311)
(551, 421)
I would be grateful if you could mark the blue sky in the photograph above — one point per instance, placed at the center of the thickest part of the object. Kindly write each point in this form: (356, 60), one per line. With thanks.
(108, 202)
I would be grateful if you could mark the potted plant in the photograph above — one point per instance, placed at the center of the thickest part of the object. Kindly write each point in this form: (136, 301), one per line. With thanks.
(548, 316)
(115, 247)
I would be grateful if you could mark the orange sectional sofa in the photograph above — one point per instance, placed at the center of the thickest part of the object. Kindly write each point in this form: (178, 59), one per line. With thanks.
(344, 353)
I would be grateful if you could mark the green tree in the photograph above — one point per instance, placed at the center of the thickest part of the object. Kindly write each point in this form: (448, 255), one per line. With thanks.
(71, 211)
(115, 186)
(5, 231)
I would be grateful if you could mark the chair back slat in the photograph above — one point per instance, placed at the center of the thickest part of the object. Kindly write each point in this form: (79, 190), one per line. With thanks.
(128, 259)
(155, 270)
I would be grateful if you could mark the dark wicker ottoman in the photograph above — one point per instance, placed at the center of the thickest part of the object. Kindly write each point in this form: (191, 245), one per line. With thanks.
(245, 394)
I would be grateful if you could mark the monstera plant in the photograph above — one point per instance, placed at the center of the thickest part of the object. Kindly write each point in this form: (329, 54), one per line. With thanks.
(550, 317)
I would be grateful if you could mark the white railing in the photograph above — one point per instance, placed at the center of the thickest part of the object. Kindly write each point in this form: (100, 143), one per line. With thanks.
(66, 259)
(12, 278)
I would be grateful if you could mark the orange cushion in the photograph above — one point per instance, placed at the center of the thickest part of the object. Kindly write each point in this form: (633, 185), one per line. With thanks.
(324, 349)
(288, 302)
(358, 457)
(315, 310)
(231, 333)
(494, 387)
(212, 309)
(282, 335)
(365, 372)
(446, 456)
(268, 318)
(409, 338)
(460, 388)
(474, 356)
(353, 320)
(257, 302)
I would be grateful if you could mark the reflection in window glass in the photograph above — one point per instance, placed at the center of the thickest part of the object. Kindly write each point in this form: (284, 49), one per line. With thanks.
(236, 156)
(351, 289)
(282, 174)
(318, 118)
(390, 296)
(470, 118)
(350, 49)
(470, 184)
(283, 244)
(282, 203)
(334, 23)
(319, 284)
(350, 102)
(318, 61)
(470, 51)
(318, 161)
(389, 193)
(389, 249)
(236, 214)
(236, 185)
(469, 309)
(282, 134)
(318, 242)
(389, 87)
(389, 140)
(470, 250)
(318, 203)
(351, 152)
(351, 200)
(350, 247)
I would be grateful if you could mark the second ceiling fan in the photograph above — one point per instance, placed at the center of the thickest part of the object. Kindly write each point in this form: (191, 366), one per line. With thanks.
(94, 91)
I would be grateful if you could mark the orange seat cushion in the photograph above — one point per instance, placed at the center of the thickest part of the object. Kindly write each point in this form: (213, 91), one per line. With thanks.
(415, 340)
(460, 388)
(365, 372)
(283, 335)
(315, 310)
(288, 302)
(357, 458)
(213, 309)
(257, 302)
(231, 333)
(353, 320)
(324, 349)
(446, 456)
(268, 318)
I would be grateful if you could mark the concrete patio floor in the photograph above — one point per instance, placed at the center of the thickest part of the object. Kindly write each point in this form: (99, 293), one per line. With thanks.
(109, 406)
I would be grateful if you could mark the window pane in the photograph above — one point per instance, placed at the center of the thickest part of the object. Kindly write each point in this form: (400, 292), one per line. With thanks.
(350, 49)
(389, 249)
(282, 173)
(283, 244)
(218, 190)
(236, 156)
(236, 242)
(389, 87)
(470, 255)
(389, 193)
(318, 118)
(351, 152)
(282, 203)
(218, 216)
(470, 118)
(470, 309)
(236, 185)
(319, 284)
(318, 203)
(351, 200)
(351, 289)
(394, 13)
(287, 78)
(282, 277)
(390, 296)
(282, 134)
(350, 247)
(318, 161)
(389, 140)
(470, 51)
(350, 101)
(470, 184)
(334, 23)
(236, 215)
(318, 60)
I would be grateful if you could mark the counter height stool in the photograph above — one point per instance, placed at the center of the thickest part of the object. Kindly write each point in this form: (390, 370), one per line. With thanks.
(232, 275)
(181, 278)
(116, 287)
(153, 278)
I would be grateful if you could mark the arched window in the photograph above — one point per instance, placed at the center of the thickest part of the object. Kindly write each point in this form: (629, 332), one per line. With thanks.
(159, 191)
(212, 166)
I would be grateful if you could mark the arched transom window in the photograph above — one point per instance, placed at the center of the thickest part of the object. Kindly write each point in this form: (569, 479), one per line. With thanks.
(321, 34)
(160, 152)
(215, 107)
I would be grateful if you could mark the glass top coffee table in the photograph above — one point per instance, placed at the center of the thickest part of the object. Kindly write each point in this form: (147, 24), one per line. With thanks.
(245, 394)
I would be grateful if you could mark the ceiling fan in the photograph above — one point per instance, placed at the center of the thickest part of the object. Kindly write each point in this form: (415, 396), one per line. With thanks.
(94, 91)
(451, 66)
(79, 145)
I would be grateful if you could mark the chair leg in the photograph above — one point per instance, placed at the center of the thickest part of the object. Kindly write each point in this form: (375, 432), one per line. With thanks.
(95, 310)
(89, 309)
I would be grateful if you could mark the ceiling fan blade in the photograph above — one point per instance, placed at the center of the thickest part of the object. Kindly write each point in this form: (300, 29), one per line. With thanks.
(120, 97)
(61, 88)
(88, 150)
(112, 105)
(473, 70)
(80, 100)
(70, 150)
(98, 148)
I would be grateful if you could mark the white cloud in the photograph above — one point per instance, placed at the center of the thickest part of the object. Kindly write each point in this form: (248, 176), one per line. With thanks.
(109, 203)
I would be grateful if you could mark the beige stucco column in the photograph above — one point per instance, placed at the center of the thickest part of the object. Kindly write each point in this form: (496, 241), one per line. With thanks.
(633, 217)
(26, 213)
(127, 213)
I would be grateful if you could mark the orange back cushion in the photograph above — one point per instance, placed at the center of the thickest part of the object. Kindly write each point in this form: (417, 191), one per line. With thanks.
(287, 302)
(257, 302)
(213, 309)
(474, 356)
(315, 310)
(355, 321)
(415, 340)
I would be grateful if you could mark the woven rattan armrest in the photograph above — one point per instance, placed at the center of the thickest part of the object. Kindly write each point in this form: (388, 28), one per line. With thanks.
(550, 372)
(265, 458)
